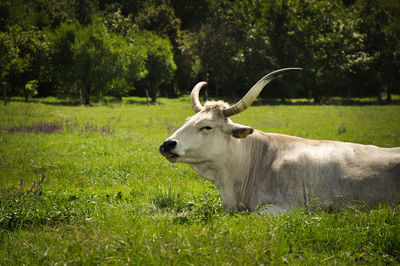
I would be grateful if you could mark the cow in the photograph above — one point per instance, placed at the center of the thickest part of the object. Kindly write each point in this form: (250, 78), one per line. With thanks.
(280, 172)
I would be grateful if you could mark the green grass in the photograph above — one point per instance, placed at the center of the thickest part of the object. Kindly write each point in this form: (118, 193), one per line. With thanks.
(108, 197)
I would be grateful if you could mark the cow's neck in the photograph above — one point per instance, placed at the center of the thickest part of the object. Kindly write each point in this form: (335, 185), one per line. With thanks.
(253, 177)
(235, 173)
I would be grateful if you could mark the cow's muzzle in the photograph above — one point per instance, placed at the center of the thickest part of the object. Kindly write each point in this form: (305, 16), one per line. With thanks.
(166, 147)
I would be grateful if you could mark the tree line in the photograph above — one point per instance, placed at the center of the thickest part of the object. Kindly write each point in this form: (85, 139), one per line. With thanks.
(86, 49)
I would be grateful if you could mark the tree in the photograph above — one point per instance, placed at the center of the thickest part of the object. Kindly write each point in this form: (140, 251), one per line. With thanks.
(23, 52)
(8, 59)
(63, 59)
(93, 61)
(381, 24)
(105, 59)
(159, 61)
(222, 45)
(160, 19)
(321, 37)
(45, 14)
(192, 13)
(158, 51)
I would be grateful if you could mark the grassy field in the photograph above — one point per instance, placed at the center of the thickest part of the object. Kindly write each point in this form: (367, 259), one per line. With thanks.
(86, 185)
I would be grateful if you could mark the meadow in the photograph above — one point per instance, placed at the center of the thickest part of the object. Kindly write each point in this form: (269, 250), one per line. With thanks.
(86, 185)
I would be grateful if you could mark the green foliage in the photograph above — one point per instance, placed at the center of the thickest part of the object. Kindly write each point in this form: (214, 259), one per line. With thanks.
(62, 41)
(380, 24)
(22, 51)
(46, 13)
(96, 61)
(160, 19)
(159, 63)
(31, 88)
(124, 48)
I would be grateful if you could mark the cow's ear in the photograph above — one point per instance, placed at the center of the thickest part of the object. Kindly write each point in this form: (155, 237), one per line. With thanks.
(239, 131)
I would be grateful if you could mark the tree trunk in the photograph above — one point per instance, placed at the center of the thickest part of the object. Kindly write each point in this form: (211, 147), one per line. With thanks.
(87, 98)
(317, 99)
(205, 94)
(153, 97)
(87, 95)
(348, 96)
(379, 97)
(26, 95)
(147, 97)
(81, 95)
(389, 95)
(5, 94)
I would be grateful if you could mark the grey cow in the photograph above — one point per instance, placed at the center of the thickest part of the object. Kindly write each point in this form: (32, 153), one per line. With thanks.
(252, 168)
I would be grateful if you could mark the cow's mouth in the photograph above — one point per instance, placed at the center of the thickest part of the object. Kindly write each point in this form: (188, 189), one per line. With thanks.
(170, 156)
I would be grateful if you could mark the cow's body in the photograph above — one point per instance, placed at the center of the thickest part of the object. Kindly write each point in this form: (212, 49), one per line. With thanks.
(252, 168)
(286, 171)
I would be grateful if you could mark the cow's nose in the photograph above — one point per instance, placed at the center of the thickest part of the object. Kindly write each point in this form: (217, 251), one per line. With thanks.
(167, 146)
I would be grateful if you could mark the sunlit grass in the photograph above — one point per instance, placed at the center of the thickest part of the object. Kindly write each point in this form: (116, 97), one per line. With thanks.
(111, 198)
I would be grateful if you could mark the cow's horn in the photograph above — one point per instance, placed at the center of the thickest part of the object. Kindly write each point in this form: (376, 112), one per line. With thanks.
(252, 94)
(194, 97)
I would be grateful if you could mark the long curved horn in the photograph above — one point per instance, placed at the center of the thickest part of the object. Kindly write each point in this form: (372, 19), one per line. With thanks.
(194, 97)
(252, 94)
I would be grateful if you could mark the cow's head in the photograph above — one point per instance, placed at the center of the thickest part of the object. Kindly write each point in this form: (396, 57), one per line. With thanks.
(204, 136)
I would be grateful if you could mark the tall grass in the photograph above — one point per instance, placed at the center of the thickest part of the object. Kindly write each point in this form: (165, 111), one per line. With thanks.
(108, 197)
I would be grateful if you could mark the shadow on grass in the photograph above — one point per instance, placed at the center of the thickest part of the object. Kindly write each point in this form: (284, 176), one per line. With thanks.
(331, 101)
(258, 102)
(47, 100)
(94, 102)
(139, 101)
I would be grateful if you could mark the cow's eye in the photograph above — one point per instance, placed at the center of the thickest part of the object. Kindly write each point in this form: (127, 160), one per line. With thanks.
(205, 128)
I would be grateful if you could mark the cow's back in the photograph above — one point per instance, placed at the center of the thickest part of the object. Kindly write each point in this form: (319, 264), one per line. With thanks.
(335, 173)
